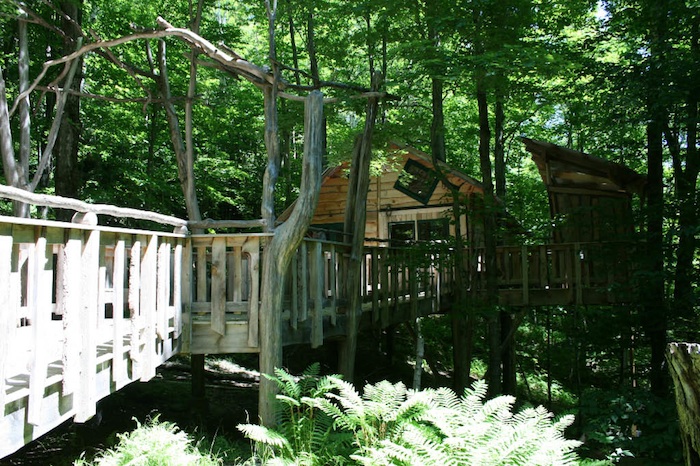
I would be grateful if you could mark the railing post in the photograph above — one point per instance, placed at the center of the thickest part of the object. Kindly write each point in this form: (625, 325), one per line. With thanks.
(118, 364)
(375, 285)
(218, 285)
(252, 247)
(7, 305)
(524, 258)
(85, 406)
(148, 301)
(317, 279)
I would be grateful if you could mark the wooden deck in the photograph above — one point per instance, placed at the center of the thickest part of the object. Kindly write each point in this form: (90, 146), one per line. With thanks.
(85, 310)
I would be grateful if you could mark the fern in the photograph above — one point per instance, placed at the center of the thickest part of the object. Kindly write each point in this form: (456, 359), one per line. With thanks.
(325, 420)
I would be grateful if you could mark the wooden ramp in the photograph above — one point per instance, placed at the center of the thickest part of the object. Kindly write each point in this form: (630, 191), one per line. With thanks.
(83, 311)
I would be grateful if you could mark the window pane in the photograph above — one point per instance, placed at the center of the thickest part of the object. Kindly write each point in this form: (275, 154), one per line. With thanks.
(401, 233)
(433, 230)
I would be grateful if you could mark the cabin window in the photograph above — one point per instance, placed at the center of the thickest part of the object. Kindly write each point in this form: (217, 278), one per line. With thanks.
(403, 233)
(417, 181)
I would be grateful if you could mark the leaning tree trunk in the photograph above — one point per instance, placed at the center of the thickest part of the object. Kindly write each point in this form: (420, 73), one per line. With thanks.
(279, 252)
(354, 228)
(684, 365)
(67, 172)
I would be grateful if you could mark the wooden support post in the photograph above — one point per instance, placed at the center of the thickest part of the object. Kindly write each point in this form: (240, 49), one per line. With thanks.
(7, 304)
(218, 285)
(85, 399)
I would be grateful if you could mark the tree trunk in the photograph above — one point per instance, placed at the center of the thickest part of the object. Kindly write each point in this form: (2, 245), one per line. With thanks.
(489, 217)
(67, 171)
(279, 252)
(272, 143)
(684, 365)
(354, 228)
(185, 164)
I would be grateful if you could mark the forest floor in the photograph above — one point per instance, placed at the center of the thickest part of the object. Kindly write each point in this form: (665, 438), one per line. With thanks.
(231, 398)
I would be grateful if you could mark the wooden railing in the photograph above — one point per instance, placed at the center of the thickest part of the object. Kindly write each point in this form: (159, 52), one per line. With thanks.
(84, 310)
(224, 273)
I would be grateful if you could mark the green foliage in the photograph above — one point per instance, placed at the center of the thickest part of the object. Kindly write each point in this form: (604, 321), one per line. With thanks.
(305, 434)
(634, 421)
(155, 443)
(390, 424)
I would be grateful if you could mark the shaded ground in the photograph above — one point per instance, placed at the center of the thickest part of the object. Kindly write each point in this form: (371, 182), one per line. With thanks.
(231, 399)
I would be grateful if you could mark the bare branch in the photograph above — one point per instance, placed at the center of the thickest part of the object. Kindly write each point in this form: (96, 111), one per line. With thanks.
(21, 195)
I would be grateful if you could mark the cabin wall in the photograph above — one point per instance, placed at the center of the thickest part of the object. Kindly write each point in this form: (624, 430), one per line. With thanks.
(385, 203)
(589, 218)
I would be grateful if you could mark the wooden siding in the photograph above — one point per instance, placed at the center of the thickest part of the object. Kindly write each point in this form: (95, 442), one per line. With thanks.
(383, 198)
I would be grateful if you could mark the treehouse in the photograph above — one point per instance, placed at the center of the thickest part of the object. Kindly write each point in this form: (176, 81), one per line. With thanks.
(86, 309)
(408, 202)
(590, 198)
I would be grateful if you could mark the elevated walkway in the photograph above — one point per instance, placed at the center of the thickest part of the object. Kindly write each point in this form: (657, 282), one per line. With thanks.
(85, 310)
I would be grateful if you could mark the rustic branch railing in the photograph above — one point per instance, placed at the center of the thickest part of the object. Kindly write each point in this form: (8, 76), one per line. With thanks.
(84, 310)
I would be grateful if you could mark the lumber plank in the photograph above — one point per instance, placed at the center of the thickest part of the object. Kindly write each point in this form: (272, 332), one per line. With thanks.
(252, 248)
(118, 362)
(7, 304)
(86, 399)
(218, 285)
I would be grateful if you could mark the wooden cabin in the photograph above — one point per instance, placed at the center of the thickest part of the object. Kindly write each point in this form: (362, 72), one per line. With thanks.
(407, 201)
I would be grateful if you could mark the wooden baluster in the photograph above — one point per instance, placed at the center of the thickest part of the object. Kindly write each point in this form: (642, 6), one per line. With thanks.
(237, 274)
(304, 257)
(384, 266)
(333, 284)
(119, 370)
(85, 398)
(134, 302)
(39, 301)
(294, 312)
(577, 264)
(178, 280)
(525, 263)
(316, 278)
(149, 279)
(252, 248)
(187, 269)
(163, 290)
(218, 285)
(7, 304)
(375, 285)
